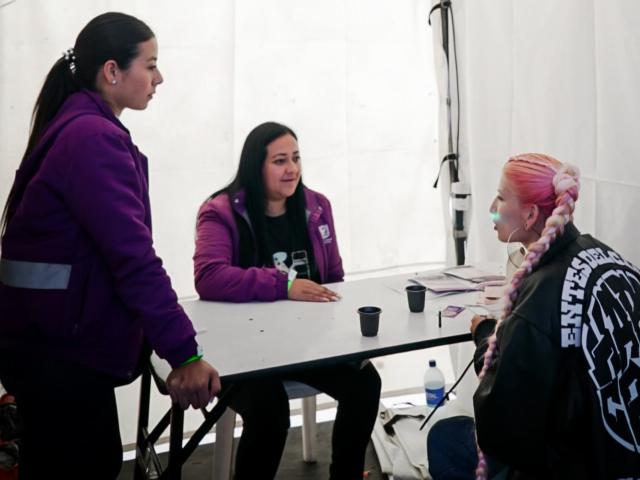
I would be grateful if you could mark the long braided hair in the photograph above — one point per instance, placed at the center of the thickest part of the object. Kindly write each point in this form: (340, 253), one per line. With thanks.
(552, 186)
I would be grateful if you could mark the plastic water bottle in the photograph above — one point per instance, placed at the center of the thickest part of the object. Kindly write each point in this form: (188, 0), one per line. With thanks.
(433, 384)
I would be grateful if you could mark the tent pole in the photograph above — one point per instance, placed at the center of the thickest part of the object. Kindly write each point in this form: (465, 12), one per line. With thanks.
(459, 192)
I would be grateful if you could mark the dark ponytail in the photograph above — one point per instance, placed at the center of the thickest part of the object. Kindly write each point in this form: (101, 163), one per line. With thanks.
(110, 36)
(58, 85)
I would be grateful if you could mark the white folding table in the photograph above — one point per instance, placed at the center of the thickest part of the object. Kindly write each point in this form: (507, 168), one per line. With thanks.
(244, 341)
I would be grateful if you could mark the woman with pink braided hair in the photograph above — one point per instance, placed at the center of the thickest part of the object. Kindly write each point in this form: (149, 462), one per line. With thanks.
(559, 369)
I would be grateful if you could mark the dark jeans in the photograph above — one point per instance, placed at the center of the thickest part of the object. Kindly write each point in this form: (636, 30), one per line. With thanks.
(70, 419)
(264, 407)
(452, 452)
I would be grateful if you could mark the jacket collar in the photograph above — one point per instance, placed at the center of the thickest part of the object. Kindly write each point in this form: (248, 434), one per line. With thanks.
(91, 102)
(312, 206)
(570, 234)
(238, 201)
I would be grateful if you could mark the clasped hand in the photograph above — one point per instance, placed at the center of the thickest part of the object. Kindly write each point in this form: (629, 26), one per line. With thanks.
(194, 384)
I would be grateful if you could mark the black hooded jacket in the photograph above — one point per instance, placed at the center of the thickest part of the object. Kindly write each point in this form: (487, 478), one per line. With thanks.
(562, 399)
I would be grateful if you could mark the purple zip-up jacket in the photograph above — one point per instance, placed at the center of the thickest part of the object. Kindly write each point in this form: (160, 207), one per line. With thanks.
(86, 212)
(217, 255)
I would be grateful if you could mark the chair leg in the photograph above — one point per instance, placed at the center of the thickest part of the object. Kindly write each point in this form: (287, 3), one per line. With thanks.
(309, 429)
(223, 449)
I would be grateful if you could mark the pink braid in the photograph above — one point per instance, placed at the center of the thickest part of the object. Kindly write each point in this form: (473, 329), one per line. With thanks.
(538, 179)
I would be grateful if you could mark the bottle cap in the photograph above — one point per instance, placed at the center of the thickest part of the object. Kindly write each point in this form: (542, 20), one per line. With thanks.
(432, 363)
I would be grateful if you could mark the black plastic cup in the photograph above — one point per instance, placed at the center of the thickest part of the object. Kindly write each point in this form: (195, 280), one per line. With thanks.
(369, 320)
(415, 296)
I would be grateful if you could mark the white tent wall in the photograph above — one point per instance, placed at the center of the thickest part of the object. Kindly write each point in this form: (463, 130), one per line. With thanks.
(558, 78)
(353, 78)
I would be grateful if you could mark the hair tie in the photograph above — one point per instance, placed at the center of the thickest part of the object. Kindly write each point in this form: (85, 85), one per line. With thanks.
(70, 57)
(567, 180)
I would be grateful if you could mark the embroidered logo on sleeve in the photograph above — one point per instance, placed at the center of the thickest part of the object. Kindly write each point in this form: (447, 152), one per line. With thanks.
(605, 322)
(325, 233)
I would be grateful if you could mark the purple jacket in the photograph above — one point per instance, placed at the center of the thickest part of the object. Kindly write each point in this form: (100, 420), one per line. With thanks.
(217, 276)
(79, 277)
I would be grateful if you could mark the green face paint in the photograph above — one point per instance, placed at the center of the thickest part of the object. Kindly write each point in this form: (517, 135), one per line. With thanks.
(495, 216)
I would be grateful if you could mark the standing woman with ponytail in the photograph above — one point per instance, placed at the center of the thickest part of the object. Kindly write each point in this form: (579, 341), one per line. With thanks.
(83, 296)
(559, 370)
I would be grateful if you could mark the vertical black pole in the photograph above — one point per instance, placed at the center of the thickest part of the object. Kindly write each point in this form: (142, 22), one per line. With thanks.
(459, 234)
(143, 424)
(174, 468)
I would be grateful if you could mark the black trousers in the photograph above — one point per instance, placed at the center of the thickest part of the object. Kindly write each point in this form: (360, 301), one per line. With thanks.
(70, 419)
(264, 408)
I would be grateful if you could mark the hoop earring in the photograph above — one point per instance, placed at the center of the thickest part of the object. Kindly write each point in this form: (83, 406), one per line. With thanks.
(511, 234)
(507, 248)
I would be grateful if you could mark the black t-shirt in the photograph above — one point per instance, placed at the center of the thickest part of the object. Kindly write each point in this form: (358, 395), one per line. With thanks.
(290, 248)
(287, 245)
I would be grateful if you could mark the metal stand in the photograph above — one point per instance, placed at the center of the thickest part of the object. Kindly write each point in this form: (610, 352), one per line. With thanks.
(460, 192)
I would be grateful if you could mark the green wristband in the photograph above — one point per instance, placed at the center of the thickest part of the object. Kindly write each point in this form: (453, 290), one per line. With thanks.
(195, 358)
(289, 283)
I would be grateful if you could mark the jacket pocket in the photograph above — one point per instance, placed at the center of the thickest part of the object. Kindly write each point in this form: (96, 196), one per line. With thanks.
(56, 313)
(41, 298)
(76, 297)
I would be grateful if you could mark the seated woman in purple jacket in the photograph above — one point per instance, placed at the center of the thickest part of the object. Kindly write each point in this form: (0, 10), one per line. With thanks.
(267, 237)
(83, 295)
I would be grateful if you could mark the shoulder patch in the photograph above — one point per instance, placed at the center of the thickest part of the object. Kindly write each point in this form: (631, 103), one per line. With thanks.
(325, 233)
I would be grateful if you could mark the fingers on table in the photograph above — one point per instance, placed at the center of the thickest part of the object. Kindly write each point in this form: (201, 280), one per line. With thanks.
(318, 293)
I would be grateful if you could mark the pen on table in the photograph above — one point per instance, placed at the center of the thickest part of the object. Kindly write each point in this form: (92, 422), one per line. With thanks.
(439, 319)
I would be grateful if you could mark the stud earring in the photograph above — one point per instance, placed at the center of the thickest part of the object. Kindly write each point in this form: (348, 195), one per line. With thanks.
(114, 81)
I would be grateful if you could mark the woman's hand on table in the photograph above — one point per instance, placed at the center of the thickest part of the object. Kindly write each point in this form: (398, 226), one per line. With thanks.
(309, 291)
